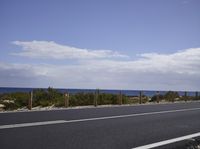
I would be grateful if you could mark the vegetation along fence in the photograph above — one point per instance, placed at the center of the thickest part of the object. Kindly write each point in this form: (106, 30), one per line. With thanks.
(54, 98)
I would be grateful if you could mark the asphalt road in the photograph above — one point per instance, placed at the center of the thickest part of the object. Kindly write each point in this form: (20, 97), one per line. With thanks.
(122, 127)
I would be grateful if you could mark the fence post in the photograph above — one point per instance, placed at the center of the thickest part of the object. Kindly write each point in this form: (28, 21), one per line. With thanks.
(157, 96)
(120, 97)
(185, 96)
(30, 100)
(66, 96)
(96, 97)
(140, 97)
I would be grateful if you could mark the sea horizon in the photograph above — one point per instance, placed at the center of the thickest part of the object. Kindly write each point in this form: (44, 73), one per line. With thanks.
(126, 92)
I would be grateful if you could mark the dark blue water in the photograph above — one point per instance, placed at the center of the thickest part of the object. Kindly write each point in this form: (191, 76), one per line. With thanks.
(74, 91)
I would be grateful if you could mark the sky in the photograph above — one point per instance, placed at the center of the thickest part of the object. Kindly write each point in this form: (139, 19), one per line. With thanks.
(106, 44)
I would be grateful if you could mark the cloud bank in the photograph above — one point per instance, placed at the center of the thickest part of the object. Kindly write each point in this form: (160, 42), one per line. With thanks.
(50, 49)
(101, 68)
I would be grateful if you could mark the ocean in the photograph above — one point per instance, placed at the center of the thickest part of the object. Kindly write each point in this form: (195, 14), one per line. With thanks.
(149, 93)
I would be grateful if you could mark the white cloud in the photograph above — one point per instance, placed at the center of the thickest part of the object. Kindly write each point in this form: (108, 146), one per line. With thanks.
(176, 71)
(185, 61)
(50, 49)
(95, 76)
(182, 62)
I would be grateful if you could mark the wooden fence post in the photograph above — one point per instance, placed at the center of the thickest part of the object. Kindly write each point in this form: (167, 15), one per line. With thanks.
(96, 97)
(140, 97)
(66, 96)
(30, 100)
(157, 96)
(185, 96)
(120, 97)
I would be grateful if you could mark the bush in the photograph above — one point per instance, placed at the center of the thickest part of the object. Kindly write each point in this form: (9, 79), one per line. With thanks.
(136, 99)
(42, 97)
(154, 98)
(81, 99)
(107, 99)
(125, 99)
(5, 96)
(38, 96)
(171, 96)
(14, 100)
(10, 106)
(21, 99)
(145, 99)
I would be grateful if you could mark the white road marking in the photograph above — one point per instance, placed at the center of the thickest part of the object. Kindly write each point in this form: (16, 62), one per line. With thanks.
(92, 119)
(130, 115)
(31, 124)
(157, 144)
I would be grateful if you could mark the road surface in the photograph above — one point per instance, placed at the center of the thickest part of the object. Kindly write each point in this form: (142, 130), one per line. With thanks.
(124, 127)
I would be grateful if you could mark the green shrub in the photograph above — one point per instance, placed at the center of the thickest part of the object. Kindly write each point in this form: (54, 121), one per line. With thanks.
(107, 99)
(80, 99)
(14, 100)
(154, 98)
(42, 97)
(171, 96)
(124, 99)
(10, 106)
(20, 99)
(145, 99)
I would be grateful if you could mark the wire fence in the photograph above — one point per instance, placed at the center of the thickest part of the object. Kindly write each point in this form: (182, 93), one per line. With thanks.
(55, 98)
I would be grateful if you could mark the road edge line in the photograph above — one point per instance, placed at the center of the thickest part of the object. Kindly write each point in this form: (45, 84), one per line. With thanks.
(170, 141)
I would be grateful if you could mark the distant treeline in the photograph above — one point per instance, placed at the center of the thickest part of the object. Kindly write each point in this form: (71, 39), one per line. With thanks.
(52, 97)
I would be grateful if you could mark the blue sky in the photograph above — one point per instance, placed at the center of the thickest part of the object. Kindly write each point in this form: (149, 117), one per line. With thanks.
(123, 44)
